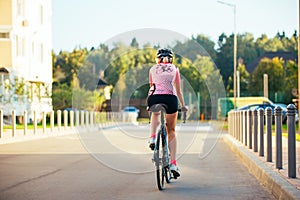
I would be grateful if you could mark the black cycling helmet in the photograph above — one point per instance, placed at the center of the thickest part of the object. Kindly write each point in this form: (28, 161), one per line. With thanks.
(164, 53)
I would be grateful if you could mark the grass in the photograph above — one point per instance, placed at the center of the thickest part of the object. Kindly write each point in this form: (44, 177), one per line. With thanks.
(143, 120)
(21, 126)
(29, 126)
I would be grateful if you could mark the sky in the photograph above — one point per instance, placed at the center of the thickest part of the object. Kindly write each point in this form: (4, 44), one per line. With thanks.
(88, 23)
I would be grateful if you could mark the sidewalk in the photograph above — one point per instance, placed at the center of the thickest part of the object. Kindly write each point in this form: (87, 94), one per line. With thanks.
(277, 181)
(30, 135)
(40, 133)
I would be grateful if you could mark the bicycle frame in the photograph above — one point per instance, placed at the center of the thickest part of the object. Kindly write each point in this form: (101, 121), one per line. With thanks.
(162, 161)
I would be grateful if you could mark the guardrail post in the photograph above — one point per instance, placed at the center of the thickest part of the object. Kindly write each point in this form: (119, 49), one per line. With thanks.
(13, 122)
(234, 123)
(255, 149)
(77, 118)
(72, 118)
(241, 126)
(269, 133)
(97, 117)
(238, 124)
(231, 124)
(59, 119)
(87, 121)
(34, 122)
(1, 123)
(25, 122)
(44, 122)
(245, 126)
(261, 131)
(82, 118)
(65, 119)
(291, 112)
(250, 128)
(278, 131)
(52, 121)
(91, 118)
(229, 119)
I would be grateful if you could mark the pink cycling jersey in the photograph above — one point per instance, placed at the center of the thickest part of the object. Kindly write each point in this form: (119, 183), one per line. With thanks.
(162, 78)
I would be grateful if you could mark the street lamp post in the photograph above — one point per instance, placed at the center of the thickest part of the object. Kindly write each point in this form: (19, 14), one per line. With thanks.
(234, 48)
(299, 61)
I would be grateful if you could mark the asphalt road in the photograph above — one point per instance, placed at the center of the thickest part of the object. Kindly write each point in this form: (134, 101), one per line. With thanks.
(116, 163)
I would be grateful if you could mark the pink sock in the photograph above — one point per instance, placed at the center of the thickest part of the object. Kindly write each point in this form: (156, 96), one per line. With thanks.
(173, 162)
(153, 135)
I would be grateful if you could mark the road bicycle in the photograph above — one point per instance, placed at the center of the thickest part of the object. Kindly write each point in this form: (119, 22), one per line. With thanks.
(161, 157)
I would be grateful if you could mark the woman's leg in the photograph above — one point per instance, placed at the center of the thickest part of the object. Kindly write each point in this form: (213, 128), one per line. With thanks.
(171, 123)
(154, 123)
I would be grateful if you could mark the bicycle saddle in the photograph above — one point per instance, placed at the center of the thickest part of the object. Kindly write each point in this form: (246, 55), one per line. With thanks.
(158, 107)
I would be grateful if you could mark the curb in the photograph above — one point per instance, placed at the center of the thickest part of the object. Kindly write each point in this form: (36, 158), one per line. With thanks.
(276, 184)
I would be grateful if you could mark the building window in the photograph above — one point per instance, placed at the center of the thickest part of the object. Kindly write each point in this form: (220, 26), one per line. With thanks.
(4, 35)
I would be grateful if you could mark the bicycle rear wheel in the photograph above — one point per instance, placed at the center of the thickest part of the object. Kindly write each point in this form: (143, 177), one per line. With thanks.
(160, 169)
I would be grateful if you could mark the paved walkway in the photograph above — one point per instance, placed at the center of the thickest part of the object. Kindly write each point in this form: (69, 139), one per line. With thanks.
(276, 180)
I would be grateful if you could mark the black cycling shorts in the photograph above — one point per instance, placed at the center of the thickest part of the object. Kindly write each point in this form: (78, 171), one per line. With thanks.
(170, 100)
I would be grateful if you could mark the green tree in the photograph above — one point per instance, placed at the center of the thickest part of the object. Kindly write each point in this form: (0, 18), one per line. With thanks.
(134, 43)
(246, 48)
(260, 44)
(224, 59)
(99, 58)
(61, 97)
(244, 79)
(67, 65)
(211, 79)
(276, 77)
(291, 80)
(197, 45)
(207, 44)
(84, 99)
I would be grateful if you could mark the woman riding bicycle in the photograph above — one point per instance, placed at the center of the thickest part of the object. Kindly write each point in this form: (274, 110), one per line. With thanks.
(164, 79)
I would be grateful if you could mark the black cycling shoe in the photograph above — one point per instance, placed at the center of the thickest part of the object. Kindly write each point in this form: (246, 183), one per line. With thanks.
(175, 171)
(151, 146)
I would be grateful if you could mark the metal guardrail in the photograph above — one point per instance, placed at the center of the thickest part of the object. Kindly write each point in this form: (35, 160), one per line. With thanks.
(248, 127)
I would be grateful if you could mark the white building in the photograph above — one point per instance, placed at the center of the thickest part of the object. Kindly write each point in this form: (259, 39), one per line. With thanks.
(25, 56)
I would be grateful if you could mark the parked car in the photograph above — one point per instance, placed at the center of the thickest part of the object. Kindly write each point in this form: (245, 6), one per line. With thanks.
(264, 106)
(131, 109)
